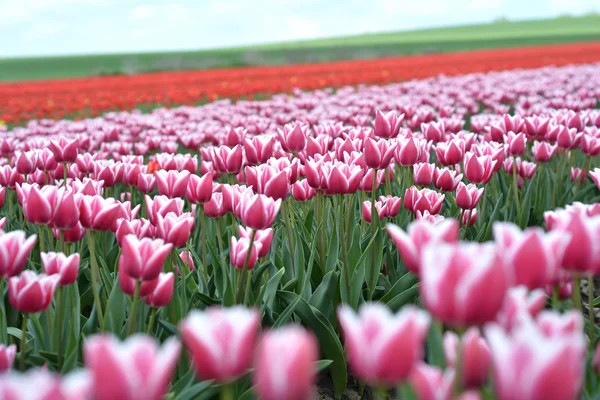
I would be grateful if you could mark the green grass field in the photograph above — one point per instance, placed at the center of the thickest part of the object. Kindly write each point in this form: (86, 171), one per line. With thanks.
(493, 35)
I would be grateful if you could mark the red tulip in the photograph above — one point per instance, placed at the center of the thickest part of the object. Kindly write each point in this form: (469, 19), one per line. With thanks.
(463, 283)
(474, 355)
(138, 368)
(31, 293)
(382, 347)
(14, 251)
(59, 264)
(7, 357)
(387, 125)
(478, 169)
(527, 364)
(420, 233)
(143, 259)
(257, 211)
(214, 358)
(292, 137)
(64, 151)
(162, 292)
(284, 365)
(468, 196)
(172, 183)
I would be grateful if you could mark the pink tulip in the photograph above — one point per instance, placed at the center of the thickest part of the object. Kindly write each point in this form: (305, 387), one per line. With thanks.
(163, 291)
(14, 251)
(187, 259)
(268, 181)
(86, 162)
(128, 284)
(434, 131)
(468, 196)
(66, 212)
(15, 386)
(469, 217)
(382, 347)
(527, 364)
(39, 205)
(581, 253)
(590, 145)
(543, 151)
(478, 169)
(473, 354)
(387, 125)
(258, 149)
(595, 175)
(143, 259)
(419, 234)
(199, 189)
(264, 237)
(31, 293)
(567, 138)
(2, 223)
(520, 304)
(9, 177)
(99, 214)
(138, 368)
(72, 235)
(516, 143)
(409, 151)
(214, 208)
(423, 174)
(463, 283)
(7, 357)
(595, 360)
(450, 153)
(532, 257)
(203, 333)
(141, 228)
(285, 364)
(45, 160)
(228, 160)
(26, 162)
(446, 179)
(378, 154)
(301, 191)
(292, 137)
(59, 264)
(430, 383)
(258, 211)
(146, 183)
(341, 178)
(172, 183)
(175, 229)
(162, 205)
(238, 252)
(387, 207)
(2, 196)
(578, 174)
(64, 151)
(536, 127)
(426, 200)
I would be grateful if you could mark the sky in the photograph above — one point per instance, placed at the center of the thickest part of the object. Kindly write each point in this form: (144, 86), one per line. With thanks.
(56, 27)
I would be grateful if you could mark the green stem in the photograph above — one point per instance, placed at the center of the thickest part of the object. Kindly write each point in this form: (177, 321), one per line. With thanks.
(62, 241)
(388, 183)
(344, 247)
(226, 392)
(374, 221)
(133, 314)
(381, 393)
(59, 325)
(151, 322)
(576, 296)
(65, 174)
(516, 189)
(203, 236)
(248, 285)
(23, 341)
(95, 276)
(592, 314)
(42, 239)
(288, 228)
(240, 285)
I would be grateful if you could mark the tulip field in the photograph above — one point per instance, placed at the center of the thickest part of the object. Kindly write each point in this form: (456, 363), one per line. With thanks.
(370, 236)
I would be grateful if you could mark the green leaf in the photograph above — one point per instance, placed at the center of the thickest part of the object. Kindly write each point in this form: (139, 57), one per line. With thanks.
(114, 316)
(271, 289)
(247, 395)
(435, 347)
(403, 298)
(486, 233)
(285, 316)
(328, 339)
(333, 251)
(526, 206)
(405, 392)
(321, 298)
(405, 282)
(193, 391)
(322, 364)
(169, 327)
